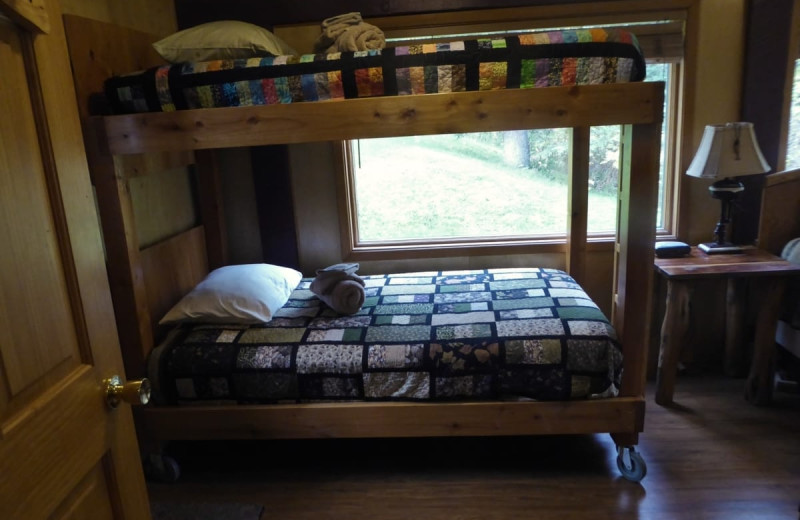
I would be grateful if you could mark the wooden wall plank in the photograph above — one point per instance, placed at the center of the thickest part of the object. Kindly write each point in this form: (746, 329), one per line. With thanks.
(209, 191)
(156, 17)
(170, 270)
(194, 12)
(780, 211)
(99, 50)
(30, 14)
(272, 180)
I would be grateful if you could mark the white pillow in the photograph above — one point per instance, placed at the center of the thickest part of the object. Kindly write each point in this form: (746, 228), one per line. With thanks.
(223, 40)
(246, 294)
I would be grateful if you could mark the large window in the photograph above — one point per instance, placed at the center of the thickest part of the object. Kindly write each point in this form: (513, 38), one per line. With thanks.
(494, 187)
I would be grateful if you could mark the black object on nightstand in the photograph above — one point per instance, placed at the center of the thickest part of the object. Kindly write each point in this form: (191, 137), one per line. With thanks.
(672, 249)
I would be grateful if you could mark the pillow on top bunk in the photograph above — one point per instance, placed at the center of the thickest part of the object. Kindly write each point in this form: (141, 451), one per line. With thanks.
(224, 40)
(246, 294)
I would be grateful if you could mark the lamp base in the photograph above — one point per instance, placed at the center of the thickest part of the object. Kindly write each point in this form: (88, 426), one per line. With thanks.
(714, 248)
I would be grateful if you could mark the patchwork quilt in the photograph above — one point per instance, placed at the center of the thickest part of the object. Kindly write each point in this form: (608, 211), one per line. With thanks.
(555, 58)
(455, 335)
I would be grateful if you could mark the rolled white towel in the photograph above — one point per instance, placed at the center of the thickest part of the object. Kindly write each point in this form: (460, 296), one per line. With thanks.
(340, 288)
(347, 297)
(361, 37)
(333, 27)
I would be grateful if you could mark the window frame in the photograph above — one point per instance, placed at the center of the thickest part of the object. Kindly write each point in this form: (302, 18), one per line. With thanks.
(792, 58)
(354, 249)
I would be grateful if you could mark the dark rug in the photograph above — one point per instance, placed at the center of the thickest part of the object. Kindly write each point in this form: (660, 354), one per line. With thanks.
(205, 511)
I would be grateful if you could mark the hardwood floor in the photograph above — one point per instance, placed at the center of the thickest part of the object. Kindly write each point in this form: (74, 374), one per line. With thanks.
(711, 456)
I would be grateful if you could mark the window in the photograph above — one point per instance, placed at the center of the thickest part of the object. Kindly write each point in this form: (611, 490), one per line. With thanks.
(793, 143)
(452, 190)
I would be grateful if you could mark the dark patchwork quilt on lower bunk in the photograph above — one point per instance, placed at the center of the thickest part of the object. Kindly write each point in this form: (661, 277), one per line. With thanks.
(466, 335)
(554, 58)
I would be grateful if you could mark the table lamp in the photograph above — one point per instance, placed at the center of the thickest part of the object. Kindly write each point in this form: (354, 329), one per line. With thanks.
(726, 152)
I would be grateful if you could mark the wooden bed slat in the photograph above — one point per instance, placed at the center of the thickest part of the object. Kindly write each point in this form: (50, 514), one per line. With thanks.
(552, 107)
(363, 420)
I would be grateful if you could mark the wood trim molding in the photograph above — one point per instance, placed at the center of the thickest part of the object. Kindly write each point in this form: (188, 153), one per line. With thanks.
(794, 54)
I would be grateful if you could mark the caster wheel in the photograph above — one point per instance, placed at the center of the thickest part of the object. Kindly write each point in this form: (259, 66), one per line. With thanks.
(631, 464)
(161, 468)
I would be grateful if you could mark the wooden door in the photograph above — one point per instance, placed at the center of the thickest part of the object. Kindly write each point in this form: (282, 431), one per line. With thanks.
(63, 452)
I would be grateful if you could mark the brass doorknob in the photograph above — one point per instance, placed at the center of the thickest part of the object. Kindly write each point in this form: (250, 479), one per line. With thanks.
(133, 392)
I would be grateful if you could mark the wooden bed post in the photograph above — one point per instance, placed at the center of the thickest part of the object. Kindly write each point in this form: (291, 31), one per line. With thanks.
(634, 256)
(122, 251)
(578, 203)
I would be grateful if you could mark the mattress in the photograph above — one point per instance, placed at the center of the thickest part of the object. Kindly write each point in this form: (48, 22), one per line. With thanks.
(555, 58)
(430, 336)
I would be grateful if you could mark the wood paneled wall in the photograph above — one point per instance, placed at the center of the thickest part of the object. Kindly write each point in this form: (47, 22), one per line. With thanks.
(283, 12)
(152, 16)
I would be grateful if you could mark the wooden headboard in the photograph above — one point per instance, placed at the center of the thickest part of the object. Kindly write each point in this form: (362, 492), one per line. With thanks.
(780, 211)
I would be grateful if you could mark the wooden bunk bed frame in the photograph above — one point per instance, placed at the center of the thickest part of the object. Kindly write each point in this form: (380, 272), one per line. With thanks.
(145, 283)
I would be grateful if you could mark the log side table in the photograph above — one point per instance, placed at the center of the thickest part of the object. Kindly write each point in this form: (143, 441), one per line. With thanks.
(680, 274)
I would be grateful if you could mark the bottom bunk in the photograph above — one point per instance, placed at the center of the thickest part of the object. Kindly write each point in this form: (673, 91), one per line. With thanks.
(513, 351)
(510, 333)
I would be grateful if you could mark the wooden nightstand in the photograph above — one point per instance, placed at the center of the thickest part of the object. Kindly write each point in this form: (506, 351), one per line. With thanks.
(680, 274)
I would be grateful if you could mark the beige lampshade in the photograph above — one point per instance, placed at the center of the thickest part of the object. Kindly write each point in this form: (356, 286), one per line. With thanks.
(728, 150)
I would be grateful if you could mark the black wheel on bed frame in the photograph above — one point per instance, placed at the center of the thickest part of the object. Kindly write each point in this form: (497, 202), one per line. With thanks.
(631, 464)
(161, 468)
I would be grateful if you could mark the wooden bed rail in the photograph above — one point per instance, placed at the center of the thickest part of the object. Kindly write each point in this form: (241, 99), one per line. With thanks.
(391, 419)
(514, 109)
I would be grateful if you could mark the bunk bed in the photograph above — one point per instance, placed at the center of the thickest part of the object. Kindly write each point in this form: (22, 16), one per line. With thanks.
(146, 283)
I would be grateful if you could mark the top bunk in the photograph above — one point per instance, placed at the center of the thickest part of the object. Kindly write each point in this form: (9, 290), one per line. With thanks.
(570, 78)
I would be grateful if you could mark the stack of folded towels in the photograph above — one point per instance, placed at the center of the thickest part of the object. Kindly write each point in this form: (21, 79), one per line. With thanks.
(340, 288)
(348, 32)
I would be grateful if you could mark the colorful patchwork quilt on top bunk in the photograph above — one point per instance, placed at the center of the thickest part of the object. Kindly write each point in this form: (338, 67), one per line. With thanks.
(468, 335)
(556, 58)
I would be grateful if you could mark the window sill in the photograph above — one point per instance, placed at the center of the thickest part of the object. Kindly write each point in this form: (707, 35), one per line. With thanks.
(466, 248)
